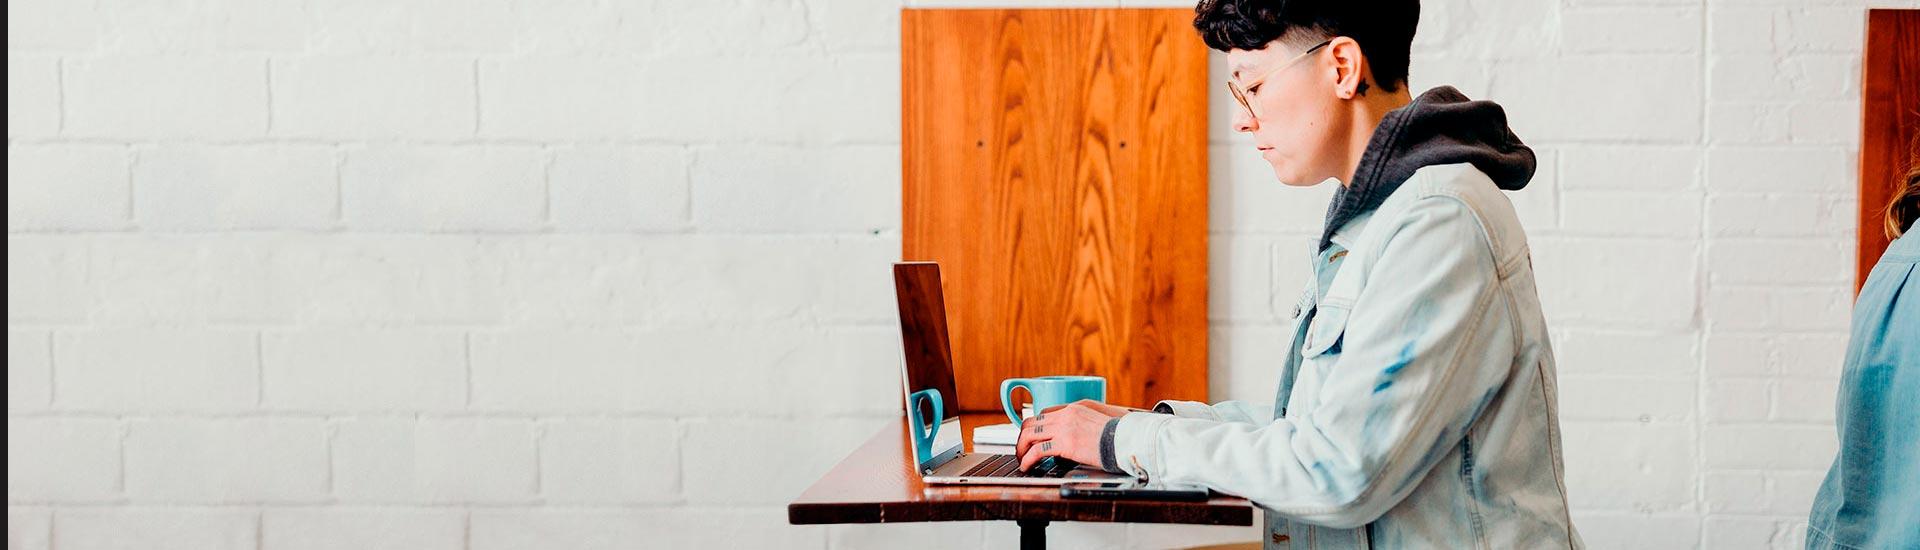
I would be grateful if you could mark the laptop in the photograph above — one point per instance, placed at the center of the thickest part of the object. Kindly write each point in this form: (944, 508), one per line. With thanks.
(932, 412)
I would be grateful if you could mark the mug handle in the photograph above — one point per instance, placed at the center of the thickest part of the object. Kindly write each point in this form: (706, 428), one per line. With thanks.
(1006, 397)
(924, 431)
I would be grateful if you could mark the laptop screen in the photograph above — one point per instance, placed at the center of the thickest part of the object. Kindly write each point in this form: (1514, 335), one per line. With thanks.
(932, 405)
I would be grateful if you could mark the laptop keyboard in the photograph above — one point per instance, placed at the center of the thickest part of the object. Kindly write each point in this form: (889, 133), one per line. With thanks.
(1009, 466)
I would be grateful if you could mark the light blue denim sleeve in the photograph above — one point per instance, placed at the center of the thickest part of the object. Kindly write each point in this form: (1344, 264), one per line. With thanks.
(1871, 496)
(1224, 411)
(1417, 360)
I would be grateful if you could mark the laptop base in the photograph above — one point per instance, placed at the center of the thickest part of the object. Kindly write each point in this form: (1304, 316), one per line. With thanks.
(952, 473)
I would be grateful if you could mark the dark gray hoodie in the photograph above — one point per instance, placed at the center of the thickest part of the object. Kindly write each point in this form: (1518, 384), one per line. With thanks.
(1441, 126)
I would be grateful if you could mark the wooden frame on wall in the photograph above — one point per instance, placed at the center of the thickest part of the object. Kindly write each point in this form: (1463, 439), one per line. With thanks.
(1055, 165)
(1889, 123)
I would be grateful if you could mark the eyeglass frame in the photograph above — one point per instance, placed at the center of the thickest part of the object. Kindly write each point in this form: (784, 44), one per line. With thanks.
(1239, 90)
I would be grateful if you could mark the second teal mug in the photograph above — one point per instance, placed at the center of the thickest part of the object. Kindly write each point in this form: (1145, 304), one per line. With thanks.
(926, 428)
(1048, 391)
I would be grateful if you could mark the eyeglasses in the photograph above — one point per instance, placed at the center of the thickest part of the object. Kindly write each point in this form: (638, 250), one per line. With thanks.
(1240, 90)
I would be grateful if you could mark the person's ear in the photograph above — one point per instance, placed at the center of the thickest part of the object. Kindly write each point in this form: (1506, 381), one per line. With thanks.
(1349, 68)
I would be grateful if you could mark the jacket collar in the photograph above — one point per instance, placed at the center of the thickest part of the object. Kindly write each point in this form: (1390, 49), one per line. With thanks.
(1349, 233)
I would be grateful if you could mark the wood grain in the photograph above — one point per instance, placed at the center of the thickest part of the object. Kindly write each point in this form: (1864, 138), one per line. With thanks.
(876, 484)
(1055, 165)
(1890, 123)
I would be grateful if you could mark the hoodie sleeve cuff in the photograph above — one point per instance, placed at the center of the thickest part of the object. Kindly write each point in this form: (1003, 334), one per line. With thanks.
(1136, 444)
(1107, 461)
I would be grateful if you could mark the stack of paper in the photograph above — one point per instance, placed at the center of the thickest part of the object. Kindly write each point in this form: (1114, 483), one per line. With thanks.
(999, 434)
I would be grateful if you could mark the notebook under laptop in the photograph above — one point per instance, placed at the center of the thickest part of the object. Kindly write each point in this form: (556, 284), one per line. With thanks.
(932, 411)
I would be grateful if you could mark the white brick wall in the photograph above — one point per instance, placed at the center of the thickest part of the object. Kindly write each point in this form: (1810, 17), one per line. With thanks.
(75, 459)
(153, 97)
(157, 528)
(29, 370)
(73, 187)
(606, 461)
(200, 188)
(430, 188)
(435, 460)
(620, 189)
(364, 370)
(432, 274)
(145, 370)
(225, 461)
(364, 528)
(33, 96)
(359, 98)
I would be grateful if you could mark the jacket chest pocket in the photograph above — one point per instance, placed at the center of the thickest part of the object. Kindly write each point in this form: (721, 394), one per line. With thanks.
(1326, 332)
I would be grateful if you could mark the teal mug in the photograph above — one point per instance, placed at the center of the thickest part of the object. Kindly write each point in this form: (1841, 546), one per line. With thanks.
(925, 428)
(1048, 391)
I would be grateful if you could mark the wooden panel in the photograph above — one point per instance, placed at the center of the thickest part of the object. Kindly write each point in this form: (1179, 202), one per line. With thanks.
(1055, 166)
(1890, 123)
(876, 484)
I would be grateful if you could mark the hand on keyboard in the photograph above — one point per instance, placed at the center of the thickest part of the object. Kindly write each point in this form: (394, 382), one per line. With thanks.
(1067, 432)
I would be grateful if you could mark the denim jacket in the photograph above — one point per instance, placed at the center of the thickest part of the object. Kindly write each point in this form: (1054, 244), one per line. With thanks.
(1417, 407)
(1871, 497)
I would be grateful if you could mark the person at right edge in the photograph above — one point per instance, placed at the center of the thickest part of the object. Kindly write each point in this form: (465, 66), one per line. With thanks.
(1871, 497)
(1417, 405)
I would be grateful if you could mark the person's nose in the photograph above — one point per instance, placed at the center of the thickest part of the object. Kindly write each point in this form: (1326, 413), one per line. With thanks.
(1243, 121)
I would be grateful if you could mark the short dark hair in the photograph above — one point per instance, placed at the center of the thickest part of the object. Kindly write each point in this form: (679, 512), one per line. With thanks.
(1383, 28)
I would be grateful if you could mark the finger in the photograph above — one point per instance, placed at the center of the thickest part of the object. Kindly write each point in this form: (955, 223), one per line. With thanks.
(1031, 433)
(1026, 437)
(1036, 454)
(1054, 408)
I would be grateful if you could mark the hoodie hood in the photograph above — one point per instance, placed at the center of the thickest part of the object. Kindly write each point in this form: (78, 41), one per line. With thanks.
(1441, 126)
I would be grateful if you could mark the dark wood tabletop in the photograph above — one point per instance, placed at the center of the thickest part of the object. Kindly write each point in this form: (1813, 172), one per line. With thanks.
(876, 484)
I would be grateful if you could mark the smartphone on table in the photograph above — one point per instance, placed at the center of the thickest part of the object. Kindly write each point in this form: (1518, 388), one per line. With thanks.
(1134, 489)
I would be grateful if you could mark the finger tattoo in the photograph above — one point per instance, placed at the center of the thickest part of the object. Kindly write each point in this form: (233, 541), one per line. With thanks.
(1047, 446)
(1039, 429)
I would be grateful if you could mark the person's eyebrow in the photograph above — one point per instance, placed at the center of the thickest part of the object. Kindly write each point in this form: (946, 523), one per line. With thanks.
(1244, 66)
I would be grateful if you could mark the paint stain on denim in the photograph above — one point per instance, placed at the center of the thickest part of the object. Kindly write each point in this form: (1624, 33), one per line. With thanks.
(1481, 407)
(1399, 363)
(1478, 481)
(1383, 406)
(1343, 487)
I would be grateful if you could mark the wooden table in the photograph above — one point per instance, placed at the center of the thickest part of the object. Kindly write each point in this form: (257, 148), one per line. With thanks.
(877, 484)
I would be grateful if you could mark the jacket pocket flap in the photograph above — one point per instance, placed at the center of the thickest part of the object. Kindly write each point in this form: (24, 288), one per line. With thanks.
(1324, 334)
